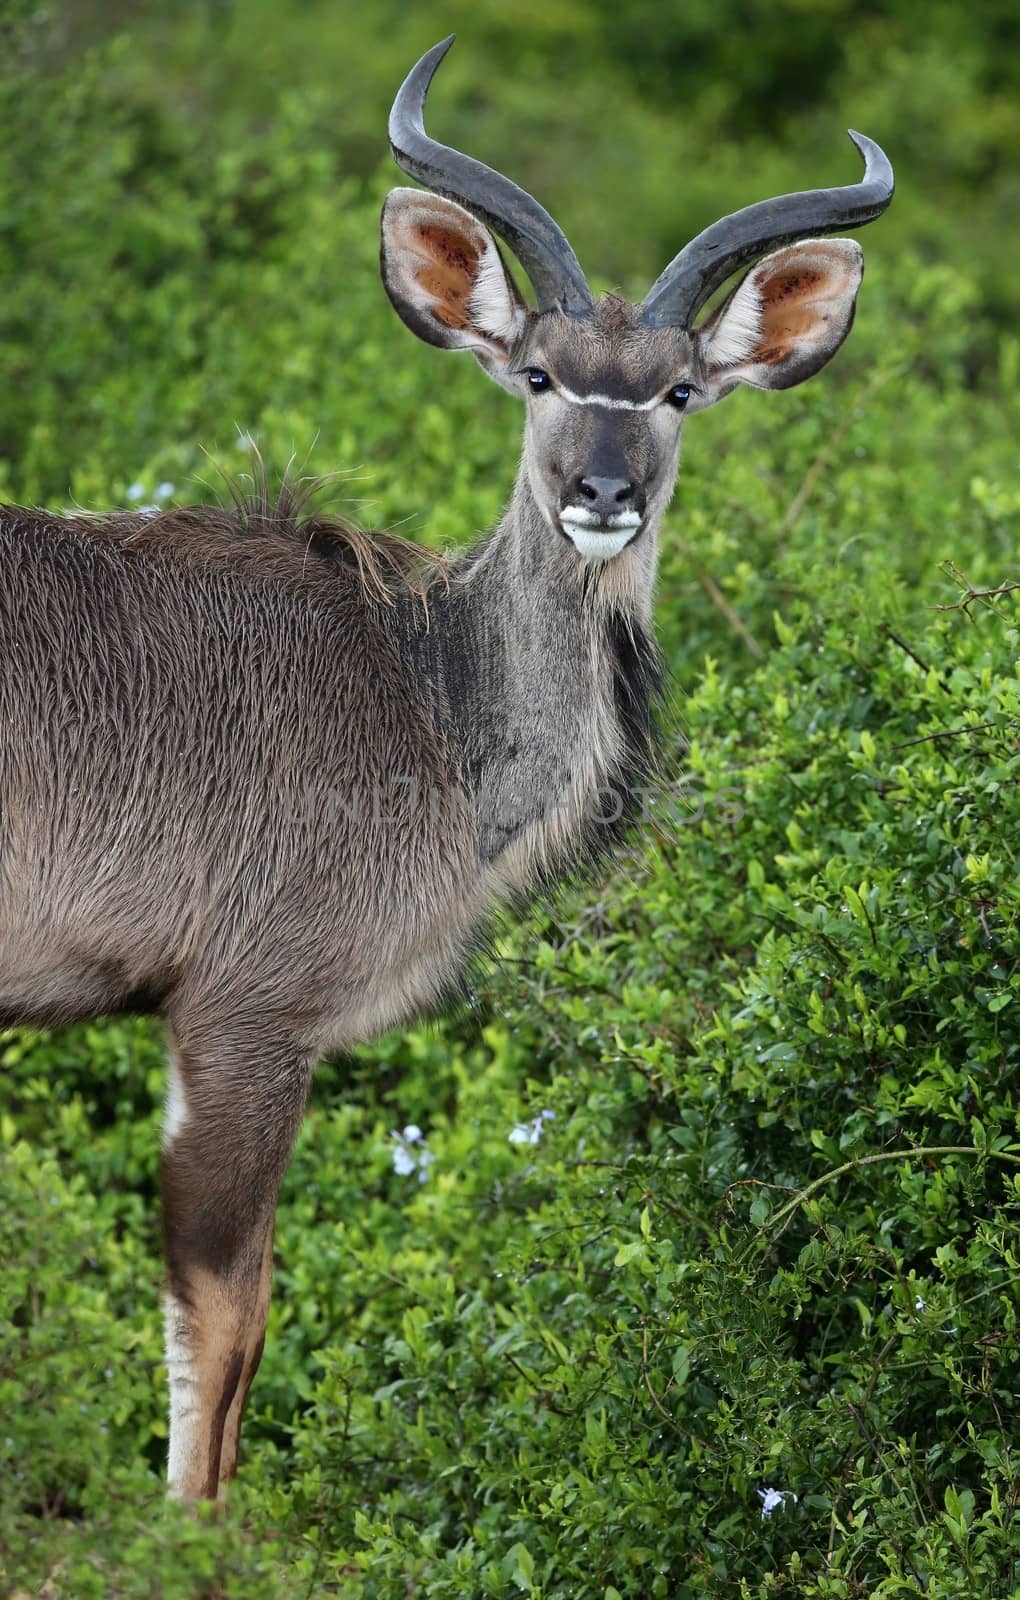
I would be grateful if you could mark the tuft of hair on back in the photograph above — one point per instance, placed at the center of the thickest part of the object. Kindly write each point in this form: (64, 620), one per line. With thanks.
(295, 507)
(261, 526)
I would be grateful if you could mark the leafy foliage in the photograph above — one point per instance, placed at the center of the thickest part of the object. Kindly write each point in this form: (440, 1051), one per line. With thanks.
(740, 1320)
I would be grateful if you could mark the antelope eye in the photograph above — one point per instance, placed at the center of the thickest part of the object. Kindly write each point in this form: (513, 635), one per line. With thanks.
(538, 380)
(678, 396)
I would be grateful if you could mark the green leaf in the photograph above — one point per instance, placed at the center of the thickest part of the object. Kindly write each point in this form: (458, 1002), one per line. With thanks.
(637, 1250)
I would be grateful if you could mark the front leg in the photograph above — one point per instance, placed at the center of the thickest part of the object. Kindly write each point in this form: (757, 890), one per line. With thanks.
(227, 1139)
(252, 1357)
(207, 1325)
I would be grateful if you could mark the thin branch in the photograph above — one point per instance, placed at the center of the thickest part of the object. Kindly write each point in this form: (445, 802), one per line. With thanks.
(656, 1402)
(902, 644)
(533, 1383)
(815, 471)
(851, 415)
(915, 1153)
(970, 595)
(947, 733)
(746, 1183)
(888, 633)
(721, 603)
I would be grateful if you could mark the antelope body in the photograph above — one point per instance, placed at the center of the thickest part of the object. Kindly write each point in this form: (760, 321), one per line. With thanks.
(254, 781)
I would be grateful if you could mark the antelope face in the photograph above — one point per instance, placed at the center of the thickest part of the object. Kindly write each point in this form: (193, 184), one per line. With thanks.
(605, 403)
(606, 383)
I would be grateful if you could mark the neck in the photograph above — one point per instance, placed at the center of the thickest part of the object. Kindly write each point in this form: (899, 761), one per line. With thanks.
(538, 554)
(543, 671)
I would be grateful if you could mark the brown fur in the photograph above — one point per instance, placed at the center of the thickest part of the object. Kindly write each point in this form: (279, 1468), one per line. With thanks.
(252, 1356)
(205, 720)
(266, 532)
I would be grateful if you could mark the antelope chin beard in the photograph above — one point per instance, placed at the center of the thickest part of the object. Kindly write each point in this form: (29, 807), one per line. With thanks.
(596, 539)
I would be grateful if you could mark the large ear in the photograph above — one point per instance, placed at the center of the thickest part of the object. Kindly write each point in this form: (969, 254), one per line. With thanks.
(785, 319)
(446, 278)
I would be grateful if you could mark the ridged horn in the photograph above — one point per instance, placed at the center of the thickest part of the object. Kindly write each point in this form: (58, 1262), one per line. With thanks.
(539, 245)
(678, 294)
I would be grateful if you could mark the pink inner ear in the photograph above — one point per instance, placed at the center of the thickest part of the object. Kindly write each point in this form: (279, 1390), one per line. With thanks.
(785, 319)
(445, 276)
(445, 271)
(798, 303)
(790, 285)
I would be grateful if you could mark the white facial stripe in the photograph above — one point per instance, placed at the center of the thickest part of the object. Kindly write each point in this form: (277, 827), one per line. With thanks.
(605, 401)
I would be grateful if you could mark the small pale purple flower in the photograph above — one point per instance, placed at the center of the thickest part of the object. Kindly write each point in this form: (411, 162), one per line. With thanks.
(411, 1153)
(530, 1132)
(772, 1499)
(403, 1161)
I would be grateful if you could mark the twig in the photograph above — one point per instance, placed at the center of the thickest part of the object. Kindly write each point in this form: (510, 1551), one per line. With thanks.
(914, 1153)
(828, 450)
(815, 471)
(970, 595)
(721, 603)
(533, 1383)
(979, 594)
(656, 1402)
(879, 1456)
(885, 629)
(947, 733)
(902, 644)
(746, 1183)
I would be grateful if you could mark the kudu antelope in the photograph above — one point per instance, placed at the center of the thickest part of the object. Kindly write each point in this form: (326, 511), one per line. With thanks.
(185, 696)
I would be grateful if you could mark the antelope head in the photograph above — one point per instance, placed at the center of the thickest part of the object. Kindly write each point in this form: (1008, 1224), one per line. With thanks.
(607, 384)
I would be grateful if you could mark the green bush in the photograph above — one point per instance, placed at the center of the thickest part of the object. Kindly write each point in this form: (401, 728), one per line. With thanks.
(742, 1322)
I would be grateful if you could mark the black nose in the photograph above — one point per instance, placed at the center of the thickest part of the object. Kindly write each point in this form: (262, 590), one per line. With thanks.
(606, 495)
